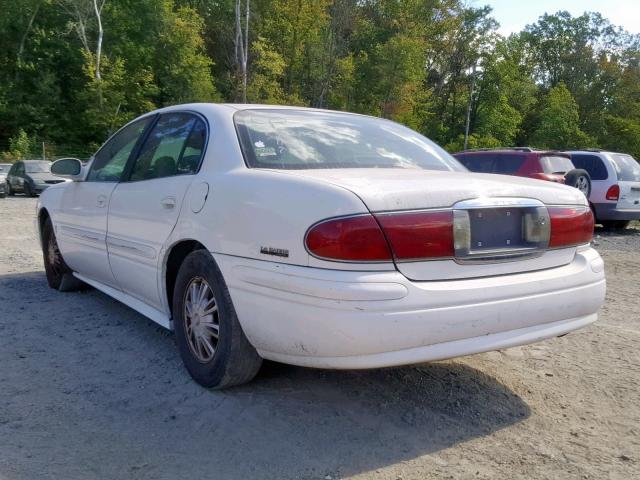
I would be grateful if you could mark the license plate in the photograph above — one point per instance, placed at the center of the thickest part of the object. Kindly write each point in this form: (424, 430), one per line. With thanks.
(500, 232)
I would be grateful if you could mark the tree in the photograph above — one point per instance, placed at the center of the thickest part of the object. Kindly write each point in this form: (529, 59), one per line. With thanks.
(558, 126)
(242, 43)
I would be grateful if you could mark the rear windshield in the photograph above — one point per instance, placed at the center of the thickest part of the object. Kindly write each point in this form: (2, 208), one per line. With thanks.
(627, 168)
(556, 164)
(37, 167)
(298, 140)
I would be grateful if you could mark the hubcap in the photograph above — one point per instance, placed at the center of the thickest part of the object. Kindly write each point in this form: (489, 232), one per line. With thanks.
(201, 321)
(583, 185)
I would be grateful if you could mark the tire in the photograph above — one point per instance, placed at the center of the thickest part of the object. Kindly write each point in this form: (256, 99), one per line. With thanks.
(59, 275)
(10, 191)
(615, 224)
(27, 190)
(579, 179)
(228, 359)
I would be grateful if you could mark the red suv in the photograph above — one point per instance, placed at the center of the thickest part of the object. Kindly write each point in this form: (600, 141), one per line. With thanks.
(526, 162)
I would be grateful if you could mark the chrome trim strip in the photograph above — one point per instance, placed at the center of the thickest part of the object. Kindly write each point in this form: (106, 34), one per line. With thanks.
(133, 248)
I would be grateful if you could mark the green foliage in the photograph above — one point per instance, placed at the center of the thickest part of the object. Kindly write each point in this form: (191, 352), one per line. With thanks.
(563, 82)
(558, 126)
(20, 147)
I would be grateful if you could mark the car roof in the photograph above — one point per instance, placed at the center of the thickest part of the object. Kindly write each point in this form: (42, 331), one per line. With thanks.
(512, 152)
(231, 108)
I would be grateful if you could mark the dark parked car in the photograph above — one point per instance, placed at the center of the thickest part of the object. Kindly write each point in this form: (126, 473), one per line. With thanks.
(4, 169)
(31, 177)
(526, 162)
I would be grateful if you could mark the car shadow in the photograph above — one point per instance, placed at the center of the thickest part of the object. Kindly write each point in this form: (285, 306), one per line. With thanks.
(91, 389)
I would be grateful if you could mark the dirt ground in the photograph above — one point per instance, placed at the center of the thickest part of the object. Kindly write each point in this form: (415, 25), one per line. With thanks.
(91, 389)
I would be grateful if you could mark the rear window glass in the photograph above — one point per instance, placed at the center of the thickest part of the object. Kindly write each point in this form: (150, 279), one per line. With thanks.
(626, 167)
(477, 163)
(593, 164)
(556, 164)
(490, 163)
(302, 139)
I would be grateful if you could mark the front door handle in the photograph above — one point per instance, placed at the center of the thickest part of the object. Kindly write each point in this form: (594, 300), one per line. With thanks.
(101, 201)
(168, 202)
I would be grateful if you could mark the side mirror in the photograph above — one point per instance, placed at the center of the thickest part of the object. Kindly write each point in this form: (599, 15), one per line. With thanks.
(71, 168)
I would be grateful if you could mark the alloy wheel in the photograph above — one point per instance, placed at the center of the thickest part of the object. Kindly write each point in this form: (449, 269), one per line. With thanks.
(582, 184)
(201, 321)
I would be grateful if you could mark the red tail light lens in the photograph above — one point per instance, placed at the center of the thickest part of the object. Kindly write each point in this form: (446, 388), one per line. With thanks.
(418, 235)
(549, 177)
(351, 239)
(570, 226)
(613, 193)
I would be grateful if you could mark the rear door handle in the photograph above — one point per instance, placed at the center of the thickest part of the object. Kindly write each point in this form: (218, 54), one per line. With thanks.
(168, 202)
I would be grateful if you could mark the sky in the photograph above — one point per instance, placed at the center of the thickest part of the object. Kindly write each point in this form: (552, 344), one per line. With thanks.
(513, 15)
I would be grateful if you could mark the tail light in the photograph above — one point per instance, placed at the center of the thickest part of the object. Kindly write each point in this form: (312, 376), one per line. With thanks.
(350, 239)
(613, 193)
(570, 226)
(428, 235)
(419, 235)
(549, 177)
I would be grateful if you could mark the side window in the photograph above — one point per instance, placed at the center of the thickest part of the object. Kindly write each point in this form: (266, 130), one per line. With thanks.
(194, 149)
(111, 159)
(477, 163)
(173, 147)
(508, 164)
(593, 164)
(19, 169)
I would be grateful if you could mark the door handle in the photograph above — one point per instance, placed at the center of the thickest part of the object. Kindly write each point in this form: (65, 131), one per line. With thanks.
(168, 202)
(101, 201)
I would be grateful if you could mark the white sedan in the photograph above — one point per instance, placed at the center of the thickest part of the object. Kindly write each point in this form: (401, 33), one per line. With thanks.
(316, 238)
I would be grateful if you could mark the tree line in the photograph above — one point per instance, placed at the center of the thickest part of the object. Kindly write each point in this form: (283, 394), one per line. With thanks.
(73, 71)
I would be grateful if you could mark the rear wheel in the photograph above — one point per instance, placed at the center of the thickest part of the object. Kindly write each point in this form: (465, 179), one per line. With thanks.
(210, 340)
(615, 224)
(10, 191)
(59, 275)
(579, 179)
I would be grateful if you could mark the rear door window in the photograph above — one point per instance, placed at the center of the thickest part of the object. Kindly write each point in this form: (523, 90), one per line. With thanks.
(477, 163)
(173, 147)
(508, 164)
(627, 168)
(593, 164)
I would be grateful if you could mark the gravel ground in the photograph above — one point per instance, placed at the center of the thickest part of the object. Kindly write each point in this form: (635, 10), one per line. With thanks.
(90, 389)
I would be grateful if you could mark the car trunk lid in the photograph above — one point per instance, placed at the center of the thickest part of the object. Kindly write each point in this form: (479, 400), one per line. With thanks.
(498, 213)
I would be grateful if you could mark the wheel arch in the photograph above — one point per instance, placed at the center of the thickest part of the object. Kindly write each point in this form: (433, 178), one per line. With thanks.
(173, 260)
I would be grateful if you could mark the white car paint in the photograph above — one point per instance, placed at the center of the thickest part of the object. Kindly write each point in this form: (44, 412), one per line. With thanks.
(308, 311)
(627, 207)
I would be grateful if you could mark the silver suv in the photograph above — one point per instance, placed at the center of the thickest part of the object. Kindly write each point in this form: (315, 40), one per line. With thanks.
(615, 185)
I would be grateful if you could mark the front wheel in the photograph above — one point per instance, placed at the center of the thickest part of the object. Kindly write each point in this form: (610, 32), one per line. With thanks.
(28, 190)
(10, 191)
(210, 340)
(59, 275)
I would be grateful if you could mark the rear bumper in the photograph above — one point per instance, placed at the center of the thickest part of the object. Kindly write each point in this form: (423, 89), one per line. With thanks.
(609, 211)
(341, 319)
